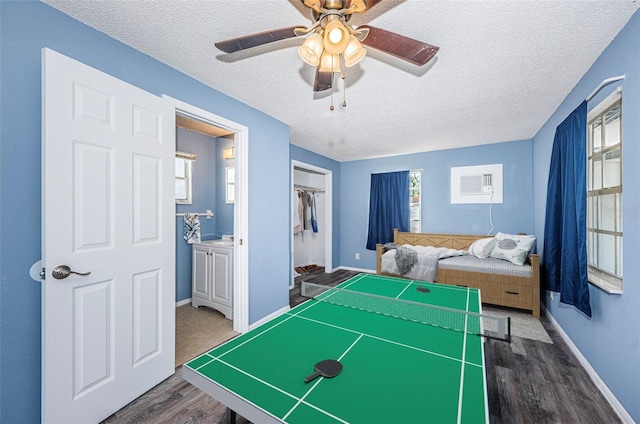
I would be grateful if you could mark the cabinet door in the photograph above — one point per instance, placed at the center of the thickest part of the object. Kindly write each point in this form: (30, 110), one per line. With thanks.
(222, 268)
(201, 272)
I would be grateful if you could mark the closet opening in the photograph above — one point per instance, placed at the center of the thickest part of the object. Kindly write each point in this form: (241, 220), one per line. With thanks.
(311, 226)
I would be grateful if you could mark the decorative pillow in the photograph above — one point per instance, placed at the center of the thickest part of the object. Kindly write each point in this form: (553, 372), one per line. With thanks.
(513, 248)
(482, 248)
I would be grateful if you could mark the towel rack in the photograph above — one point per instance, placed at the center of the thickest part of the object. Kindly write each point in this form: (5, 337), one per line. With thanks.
(208, 213)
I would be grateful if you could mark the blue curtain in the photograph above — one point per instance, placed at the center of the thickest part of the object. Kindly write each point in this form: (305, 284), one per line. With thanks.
(565, 233)
(388, 206)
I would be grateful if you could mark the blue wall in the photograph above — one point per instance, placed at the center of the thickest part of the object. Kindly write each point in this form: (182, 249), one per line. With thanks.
(610, 340)
(308, 157)
(27, 27)
(438, 214)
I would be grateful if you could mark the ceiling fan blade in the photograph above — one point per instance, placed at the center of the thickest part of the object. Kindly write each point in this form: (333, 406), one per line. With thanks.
(247, 41)
(397, 45)
(371, 3)
(323, 80)
(316, 5)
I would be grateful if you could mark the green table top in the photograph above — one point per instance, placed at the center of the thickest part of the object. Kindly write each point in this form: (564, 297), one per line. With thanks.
(394, 370)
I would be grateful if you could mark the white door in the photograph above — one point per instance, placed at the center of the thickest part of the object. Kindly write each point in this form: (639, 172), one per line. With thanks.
(108, 209)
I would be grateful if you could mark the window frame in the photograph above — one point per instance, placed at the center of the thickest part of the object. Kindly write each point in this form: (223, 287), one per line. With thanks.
(188, 159)
(415, 225)
(611, 282)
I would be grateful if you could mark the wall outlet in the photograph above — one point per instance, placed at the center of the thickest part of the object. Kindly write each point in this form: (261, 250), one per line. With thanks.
(357, 256)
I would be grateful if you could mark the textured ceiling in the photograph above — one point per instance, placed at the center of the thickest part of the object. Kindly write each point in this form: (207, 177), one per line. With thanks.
(502, 69)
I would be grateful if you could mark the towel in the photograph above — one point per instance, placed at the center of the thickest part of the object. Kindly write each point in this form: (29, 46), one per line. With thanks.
(191, 228)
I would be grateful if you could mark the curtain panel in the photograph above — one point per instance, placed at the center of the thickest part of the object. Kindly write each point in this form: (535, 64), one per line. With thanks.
(565, 233)
(388, 206)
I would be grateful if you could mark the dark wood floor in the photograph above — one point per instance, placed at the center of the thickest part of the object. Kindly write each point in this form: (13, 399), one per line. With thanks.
(528, 382)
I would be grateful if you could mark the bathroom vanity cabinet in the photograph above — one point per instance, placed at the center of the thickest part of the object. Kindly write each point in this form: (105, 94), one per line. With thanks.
(212, 280)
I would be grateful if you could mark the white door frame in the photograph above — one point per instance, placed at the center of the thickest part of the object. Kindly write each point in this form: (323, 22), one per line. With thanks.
(328, 212)
(240, 211)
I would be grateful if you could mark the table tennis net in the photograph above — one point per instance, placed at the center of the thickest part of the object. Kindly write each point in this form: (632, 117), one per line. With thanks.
(438, 316)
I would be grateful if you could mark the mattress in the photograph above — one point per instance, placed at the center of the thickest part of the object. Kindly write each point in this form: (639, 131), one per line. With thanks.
(486, 265)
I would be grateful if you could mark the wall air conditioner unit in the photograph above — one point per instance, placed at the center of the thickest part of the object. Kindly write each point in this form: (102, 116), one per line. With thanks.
(476, 184)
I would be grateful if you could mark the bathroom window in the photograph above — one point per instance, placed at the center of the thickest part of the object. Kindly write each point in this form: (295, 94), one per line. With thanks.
(231, 185)
(184, 162)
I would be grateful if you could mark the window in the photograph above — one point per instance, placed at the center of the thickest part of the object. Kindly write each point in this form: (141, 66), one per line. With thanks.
(184, 162)
(231, 185)
(415, 209)
(604, 194)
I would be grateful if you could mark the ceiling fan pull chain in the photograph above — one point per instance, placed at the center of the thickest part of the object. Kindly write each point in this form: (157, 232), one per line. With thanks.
(344, 92)
(331, 108)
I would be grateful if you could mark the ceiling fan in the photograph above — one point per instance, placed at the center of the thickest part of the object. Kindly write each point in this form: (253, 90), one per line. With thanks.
(332, 38)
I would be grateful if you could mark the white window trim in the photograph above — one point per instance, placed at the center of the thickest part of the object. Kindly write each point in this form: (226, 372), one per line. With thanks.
(189, 160)
(416, 205)
(606, 282)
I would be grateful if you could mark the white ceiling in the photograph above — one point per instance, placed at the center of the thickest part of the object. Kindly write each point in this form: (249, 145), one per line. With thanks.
(502, 69)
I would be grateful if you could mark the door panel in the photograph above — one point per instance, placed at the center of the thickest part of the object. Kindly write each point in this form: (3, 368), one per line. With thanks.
(108, 208)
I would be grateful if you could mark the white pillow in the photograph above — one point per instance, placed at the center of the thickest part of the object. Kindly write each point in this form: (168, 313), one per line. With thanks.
(482, 248)
(513, 248)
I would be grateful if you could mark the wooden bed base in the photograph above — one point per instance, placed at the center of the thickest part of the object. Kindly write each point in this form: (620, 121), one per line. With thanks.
(496, 289)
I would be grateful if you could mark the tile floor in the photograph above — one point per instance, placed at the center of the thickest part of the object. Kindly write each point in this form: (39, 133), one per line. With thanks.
(198, 330)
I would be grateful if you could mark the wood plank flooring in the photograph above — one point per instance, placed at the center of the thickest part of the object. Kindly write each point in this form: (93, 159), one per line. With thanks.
(528, 382)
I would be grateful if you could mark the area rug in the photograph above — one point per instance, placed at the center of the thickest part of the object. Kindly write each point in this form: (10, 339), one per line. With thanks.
(522, 324)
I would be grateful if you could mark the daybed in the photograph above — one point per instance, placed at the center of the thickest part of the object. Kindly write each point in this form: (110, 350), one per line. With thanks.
(500, 282)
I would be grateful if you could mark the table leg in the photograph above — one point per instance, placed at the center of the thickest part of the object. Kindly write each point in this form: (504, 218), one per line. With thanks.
(231, 416)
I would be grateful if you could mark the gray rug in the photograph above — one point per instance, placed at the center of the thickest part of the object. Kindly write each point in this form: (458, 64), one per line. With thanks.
(523, 324)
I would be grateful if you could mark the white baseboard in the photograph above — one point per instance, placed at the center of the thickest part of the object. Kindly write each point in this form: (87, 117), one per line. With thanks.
(350, 268)
(604, 389)
(183, 302)
(270, 317)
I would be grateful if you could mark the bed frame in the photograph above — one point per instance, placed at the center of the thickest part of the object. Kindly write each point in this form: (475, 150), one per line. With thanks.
(496, 289)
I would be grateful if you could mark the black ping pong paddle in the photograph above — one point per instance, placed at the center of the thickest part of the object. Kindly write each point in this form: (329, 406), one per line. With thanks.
(327, 368)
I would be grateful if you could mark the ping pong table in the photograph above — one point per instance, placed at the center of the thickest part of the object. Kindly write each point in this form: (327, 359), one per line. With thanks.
(402, 361)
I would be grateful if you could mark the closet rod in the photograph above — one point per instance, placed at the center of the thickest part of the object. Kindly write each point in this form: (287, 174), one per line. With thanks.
(208, 213)
(602, 84)
(307, 188)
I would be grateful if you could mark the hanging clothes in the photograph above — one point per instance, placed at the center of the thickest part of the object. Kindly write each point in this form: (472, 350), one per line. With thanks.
(306, 212)
(314, 213)
(297, 216)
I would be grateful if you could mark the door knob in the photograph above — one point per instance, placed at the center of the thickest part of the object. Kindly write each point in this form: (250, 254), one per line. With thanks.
(63, 271)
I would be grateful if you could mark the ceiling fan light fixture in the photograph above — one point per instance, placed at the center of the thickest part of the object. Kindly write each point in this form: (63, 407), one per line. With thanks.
(329, 62)
(336, 37)
(311, 50)
(354, 52)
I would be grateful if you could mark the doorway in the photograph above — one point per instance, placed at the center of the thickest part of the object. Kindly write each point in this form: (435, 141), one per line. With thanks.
(310, 249)
(204, 156)
(240, 136)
